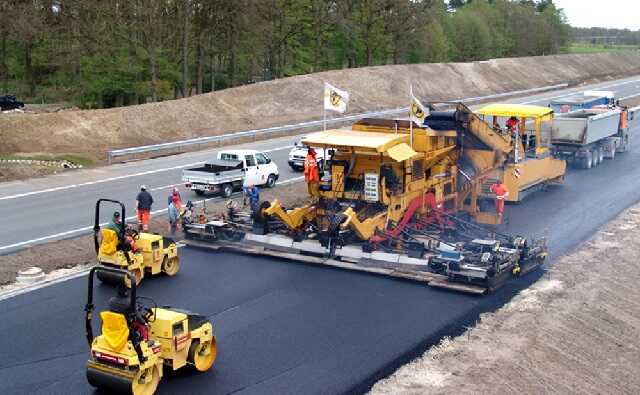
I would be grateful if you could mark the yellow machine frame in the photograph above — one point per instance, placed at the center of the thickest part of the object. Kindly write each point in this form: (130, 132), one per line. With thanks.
(427, 166)
(530, 164)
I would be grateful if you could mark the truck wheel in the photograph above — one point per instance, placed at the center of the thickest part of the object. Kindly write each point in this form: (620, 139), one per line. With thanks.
(587, 161)
(271, 181)
(600, 155)
(199, 193)
(227, 190)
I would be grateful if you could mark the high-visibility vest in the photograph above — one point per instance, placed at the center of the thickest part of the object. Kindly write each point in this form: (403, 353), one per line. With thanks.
(500, 191)
(311, 169)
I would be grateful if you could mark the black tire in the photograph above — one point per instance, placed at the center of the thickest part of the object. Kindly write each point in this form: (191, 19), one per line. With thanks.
(199, 193)
(600, 155)
(587, 161)
(271, 181)
(226, 190)
(258, 215)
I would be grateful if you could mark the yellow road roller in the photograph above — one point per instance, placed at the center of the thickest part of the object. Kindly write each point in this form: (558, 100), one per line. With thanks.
(120, 246)
(138, 340)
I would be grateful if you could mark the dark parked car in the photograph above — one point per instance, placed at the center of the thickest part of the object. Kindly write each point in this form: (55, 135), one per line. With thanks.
(9, 102)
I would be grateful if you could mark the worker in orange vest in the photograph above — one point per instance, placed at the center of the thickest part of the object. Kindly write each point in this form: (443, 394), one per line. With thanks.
(311, 174)
(501, 194)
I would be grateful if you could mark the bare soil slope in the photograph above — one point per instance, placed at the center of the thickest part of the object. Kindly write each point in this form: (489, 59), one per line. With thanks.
(91, 132)
(574, 332)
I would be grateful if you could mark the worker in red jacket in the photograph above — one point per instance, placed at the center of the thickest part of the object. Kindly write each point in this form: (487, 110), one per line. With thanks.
(512, 125)
(501, 195)
(311, 174)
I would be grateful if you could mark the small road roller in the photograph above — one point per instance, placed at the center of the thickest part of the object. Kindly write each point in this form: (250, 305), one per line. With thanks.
(138, 340)
(120, 246)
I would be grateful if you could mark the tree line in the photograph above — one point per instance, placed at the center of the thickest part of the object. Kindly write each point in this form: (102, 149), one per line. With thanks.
(105, 53)
(600, 35)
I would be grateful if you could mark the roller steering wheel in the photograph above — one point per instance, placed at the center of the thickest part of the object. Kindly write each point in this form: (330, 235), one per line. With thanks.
(134, 234)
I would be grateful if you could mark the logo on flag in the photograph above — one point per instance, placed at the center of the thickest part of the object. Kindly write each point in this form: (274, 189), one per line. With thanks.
(417, 112)
(335, 99)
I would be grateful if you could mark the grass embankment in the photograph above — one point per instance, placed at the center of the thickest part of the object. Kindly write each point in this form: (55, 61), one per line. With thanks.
(596, 48)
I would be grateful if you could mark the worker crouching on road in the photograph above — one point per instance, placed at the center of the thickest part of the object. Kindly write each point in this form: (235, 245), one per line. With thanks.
(311, 174)
(144, 200)
(501, 194)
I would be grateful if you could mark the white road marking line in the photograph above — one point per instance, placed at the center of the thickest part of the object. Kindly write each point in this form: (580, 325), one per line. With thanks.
(165, 187)
(144, 173)
(87, 228)
(629, 97)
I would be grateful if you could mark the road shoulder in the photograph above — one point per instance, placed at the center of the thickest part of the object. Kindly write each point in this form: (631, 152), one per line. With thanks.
(577, 330)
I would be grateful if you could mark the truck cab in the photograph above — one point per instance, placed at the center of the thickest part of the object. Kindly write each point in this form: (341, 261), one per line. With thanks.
(231, 170)
(258, 168)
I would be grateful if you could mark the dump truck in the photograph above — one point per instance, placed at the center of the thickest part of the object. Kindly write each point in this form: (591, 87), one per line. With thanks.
(588, 136)
(230, 171)
(391, 201)
(582, 101)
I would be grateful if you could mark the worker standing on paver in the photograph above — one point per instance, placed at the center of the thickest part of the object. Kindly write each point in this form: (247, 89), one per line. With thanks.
(144, 200)
(512, 125)
(311, 174)
(501, 194)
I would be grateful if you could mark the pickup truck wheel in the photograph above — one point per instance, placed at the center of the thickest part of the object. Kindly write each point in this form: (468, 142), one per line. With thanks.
(271, 181)
(227, 190)
(199, 193)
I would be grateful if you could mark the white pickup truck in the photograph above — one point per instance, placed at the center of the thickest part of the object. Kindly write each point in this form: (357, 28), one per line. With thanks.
(230, 171)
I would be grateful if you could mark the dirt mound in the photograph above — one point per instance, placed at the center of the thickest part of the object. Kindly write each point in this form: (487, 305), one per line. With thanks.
(90, 133)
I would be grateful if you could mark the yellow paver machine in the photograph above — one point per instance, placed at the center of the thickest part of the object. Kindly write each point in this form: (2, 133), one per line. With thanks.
(402, 200)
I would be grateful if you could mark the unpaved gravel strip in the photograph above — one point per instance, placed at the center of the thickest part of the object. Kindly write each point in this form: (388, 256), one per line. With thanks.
(577, 330)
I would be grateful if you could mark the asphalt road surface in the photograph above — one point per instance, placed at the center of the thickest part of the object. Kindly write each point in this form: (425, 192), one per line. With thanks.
(294, 328)
(44, 209)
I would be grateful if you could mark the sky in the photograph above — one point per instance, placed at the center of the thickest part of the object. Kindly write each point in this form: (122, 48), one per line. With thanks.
(620, 14)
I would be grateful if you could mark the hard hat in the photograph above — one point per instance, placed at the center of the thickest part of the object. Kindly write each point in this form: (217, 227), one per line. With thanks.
(143, 187)
(116, 214)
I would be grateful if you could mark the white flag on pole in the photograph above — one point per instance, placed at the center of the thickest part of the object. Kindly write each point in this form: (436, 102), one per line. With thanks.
(335, 99)
(417, 112)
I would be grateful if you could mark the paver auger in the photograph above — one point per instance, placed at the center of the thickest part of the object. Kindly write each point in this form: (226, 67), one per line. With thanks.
(390, 201)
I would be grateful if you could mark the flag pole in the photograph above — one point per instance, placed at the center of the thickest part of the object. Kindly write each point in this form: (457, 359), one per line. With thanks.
(411, 116)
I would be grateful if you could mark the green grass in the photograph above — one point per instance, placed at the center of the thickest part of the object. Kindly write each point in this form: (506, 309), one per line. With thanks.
(596, 48)
(79, 160)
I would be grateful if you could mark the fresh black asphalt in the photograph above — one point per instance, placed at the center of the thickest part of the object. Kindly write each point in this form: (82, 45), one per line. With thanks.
(293, 328)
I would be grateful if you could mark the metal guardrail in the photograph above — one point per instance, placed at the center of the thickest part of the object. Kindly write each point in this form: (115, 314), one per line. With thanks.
(303, 125)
